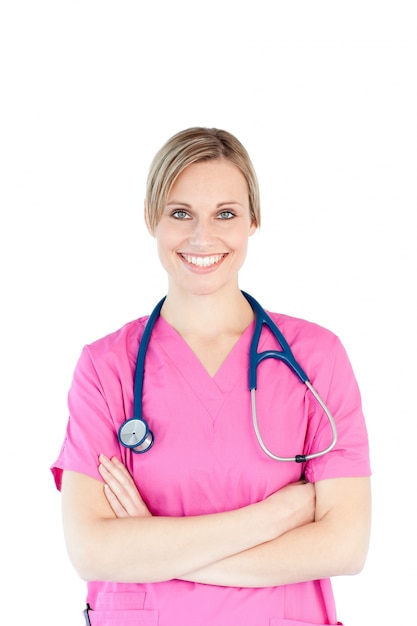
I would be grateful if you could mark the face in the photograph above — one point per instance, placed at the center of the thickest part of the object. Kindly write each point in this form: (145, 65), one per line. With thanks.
(203, 233)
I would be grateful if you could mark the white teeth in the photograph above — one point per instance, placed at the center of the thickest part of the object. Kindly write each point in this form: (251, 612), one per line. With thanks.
(203, 261)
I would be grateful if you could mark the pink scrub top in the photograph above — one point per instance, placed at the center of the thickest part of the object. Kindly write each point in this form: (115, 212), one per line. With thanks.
(206, 457)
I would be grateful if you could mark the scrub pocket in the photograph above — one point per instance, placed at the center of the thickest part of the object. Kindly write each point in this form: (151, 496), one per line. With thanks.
(292, 622)
(122, 609)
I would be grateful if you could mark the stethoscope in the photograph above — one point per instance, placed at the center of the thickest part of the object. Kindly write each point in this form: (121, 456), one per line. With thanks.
(134, 433)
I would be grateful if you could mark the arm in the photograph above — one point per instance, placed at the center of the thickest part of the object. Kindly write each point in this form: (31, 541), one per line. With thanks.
(145, 548)
(335, 544)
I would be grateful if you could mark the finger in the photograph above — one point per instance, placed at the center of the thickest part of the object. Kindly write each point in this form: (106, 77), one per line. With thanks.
(123, 489)
(116, 469)
(115, 505)
(117, 476)
(125, 504)
(117, 485)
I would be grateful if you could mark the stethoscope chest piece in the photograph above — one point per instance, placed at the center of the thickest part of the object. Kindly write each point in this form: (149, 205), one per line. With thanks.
(135, 434)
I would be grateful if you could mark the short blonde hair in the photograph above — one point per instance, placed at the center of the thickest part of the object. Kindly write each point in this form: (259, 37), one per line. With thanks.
(191, 146)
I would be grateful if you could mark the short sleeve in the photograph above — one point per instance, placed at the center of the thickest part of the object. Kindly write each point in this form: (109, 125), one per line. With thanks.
(99, 401)
(350, 456)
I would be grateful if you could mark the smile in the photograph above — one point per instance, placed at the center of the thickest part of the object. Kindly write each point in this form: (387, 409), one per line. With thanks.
(203, 261)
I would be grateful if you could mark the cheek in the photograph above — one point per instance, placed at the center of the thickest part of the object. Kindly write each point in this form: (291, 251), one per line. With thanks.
(161, 249)
(241, 238)
(166, 246)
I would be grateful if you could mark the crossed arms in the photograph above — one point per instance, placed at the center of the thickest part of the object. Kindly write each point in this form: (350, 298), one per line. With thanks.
(302, 532)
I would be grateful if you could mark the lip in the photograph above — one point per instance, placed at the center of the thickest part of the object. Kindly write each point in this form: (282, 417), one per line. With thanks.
(202, 263)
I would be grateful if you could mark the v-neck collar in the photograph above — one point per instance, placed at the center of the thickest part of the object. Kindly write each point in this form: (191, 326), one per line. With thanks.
(184, 359)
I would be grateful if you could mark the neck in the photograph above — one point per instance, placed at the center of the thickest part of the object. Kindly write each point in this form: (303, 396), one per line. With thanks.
(223, 312)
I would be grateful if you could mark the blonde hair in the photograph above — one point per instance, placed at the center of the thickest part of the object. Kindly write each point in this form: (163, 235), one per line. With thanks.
(191, 146)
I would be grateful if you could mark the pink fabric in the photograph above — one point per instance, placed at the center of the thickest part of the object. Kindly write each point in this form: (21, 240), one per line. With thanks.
(206, 457)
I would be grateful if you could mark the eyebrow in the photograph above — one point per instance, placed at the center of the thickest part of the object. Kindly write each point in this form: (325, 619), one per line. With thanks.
(189, 206)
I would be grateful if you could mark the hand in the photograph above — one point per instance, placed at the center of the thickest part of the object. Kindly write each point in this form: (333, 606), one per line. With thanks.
(120, 489)
(294, 505)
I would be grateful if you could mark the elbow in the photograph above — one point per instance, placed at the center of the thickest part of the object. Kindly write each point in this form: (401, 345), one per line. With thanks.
(87, 572)
(84, 563)
(354, 564)
(90, 569)
(360, 555)
(88, 559)
(354, 555)
(347, 550)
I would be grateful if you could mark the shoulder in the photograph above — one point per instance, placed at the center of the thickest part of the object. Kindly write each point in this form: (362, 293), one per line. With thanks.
(129, 333)
(114, 349)
(317, 349)
(297, 329)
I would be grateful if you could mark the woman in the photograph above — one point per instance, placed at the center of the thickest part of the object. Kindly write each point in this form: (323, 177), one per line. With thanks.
(205, 528)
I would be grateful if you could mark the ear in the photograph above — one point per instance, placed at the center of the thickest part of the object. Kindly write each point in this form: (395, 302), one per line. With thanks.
(145, 216)
(253, 228)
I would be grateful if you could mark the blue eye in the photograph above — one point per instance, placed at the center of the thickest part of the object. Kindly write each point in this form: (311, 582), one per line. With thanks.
(226, 215)
(180, 214)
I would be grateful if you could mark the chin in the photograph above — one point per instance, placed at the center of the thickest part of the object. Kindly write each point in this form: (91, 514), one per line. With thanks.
(208, 289)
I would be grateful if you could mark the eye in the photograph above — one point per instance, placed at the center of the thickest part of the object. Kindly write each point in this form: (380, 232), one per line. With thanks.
(226, 215)
(180, 214)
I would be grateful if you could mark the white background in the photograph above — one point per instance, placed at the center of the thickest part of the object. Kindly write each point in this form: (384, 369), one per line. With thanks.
(324, 97)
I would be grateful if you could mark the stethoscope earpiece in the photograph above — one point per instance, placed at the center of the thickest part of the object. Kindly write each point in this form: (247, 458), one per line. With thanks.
(135, 434)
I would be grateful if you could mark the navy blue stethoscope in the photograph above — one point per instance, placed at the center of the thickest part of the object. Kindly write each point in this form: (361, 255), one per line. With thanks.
(134, 433)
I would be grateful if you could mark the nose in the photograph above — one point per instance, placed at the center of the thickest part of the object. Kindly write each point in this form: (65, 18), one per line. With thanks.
(203, 235)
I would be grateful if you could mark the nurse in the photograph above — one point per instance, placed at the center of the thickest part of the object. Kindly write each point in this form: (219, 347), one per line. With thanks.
(204, 528)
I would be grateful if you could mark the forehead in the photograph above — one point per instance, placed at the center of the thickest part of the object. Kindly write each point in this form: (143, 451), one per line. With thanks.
(214, 177)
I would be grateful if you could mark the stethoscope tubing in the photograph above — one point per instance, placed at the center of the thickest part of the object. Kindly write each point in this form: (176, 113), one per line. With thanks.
(140, 363)
(285, 355)
(134, 432)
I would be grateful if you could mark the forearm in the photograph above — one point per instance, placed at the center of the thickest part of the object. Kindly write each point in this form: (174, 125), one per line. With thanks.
(306, 553)
(146, 549)
(335, 544)
(160, 548)
(151, 548)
